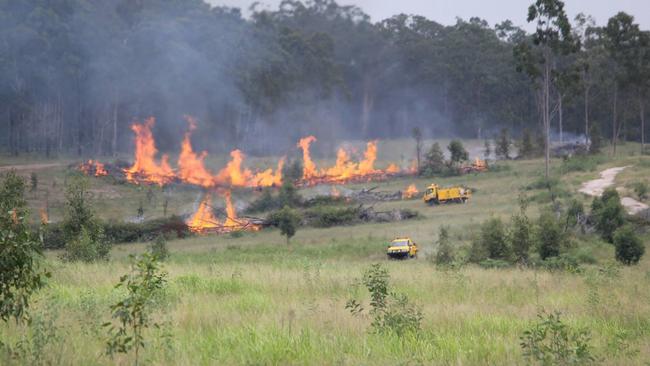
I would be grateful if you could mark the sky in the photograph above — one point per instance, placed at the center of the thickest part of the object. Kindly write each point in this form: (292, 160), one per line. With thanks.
(494, 11)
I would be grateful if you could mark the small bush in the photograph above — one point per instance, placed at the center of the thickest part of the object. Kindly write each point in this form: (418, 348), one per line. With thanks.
(85, 248)
(563, 262)
(543, 183)
(392, 312)
(287, 220)
(491, 243)
(629, 248)
(549, 341)
(332, 216)
(581, 163)
(608, 214)
(445, 254)
(159, 248)
(550, 237)
(641, 190)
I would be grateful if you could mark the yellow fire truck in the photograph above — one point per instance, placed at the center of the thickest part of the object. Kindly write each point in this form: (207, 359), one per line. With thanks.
(434, 195)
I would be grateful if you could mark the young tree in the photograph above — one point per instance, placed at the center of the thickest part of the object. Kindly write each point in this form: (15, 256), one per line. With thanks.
(82, 231)
(608, 213)
(457, 152)
(550, 237)
(520, 234)
(445, 253)
(288, 195)
(552, 38)
(20, 252)
(526, 148)
(487, 149)
(133, 313)
(435, 161)
(629, 248)
(287, 220)
(492, 242)
(159, 248)
(502, 145)
(417, 136)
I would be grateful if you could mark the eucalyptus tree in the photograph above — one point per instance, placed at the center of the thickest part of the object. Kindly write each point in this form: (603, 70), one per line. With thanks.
(552, 38)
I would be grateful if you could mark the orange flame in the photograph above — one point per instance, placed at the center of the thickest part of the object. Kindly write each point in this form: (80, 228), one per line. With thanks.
(267, 178)
(410, 192)
(392, 169)
(44, 217)
(309, 168)
(367, 165)
(145, 167)
(203, 219)
(93, 167)
(190, 165)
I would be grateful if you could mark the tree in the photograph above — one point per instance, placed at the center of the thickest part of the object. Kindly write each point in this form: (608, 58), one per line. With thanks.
(487, 149)
(434, 162)
(520, 234)
(20, 252)
(159, 248)
(527, 148)
(608, 213)
(82, 231)
(457, 152)
(550, 237)
(288, 195)
(492, 242)
(502, 145)
(445, 253)
(133, 313)
(287, 220)
(629, 248)
(551, 38)
(417, 136)
(623, 42)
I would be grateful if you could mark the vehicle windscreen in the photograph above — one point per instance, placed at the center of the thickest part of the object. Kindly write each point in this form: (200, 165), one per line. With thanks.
(400, 243)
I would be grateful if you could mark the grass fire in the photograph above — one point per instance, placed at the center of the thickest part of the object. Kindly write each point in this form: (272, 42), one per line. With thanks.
(317, 183)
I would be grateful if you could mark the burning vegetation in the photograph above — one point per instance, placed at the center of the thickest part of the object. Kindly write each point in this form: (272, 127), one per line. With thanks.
(149, 168)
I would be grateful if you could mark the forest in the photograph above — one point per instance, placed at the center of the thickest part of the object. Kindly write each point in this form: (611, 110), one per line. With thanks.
(74, 74)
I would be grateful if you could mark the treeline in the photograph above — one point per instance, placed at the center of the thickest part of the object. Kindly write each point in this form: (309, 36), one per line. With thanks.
(74, 74)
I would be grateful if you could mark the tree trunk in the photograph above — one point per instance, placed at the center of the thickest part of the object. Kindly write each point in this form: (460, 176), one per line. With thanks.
(560, 118)
(642, 115)
(587, 115)
(368, 102)
(546, 108)
(614, 120)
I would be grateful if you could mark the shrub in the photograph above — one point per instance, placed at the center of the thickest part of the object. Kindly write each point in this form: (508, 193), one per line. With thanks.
(629, 248)
(550, 237)
(391, 311)
(502, 145)
(288, 195)
(563, 262)
(492, 240)
(445, 254)
(549, 341)
(608, 214)
(266, 202)
(434, 161)
(80, 227)
(581, 163)
(287, 220)
(457, 152)
(20, 251)
(326, 216)
(641, 190)
(159, 249)
(543, 183)
(133, 313)
(526, 146)
(520, 234)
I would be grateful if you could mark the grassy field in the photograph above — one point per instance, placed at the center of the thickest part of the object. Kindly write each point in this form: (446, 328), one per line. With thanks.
(255, 300)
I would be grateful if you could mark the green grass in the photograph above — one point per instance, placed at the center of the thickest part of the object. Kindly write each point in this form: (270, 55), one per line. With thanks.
(256, 300)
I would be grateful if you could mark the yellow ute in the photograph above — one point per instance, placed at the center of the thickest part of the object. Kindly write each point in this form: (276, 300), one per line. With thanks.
(436, 195)
(402, 248)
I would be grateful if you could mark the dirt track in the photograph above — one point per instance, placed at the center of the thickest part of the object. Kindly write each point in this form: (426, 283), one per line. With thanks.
(29, 166)
(597, 186)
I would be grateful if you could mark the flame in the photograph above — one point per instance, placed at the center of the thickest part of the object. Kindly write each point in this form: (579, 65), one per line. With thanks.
(410, 192)
(191, 168)
(392, 169)
(203, 220)
(267, 178)
(145, 167)
(309, 168)
(367, 165)
(92, 167)
(44, 217)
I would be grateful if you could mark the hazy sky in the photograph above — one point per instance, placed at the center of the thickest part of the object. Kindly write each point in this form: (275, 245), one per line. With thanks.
(494, 11)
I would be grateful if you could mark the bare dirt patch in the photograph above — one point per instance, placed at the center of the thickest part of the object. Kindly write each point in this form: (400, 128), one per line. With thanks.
(597, 186)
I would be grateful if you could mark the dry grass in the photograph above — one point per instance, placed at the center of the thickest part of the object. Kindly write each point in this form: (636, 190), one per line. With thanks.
(255, 300)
